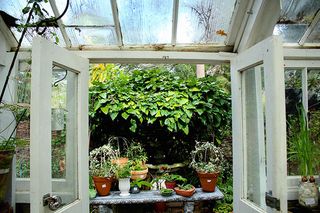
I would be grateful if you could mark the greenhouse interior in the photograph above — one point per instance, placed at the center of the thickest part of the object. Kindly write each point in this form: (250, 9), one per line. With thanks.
(159, 106)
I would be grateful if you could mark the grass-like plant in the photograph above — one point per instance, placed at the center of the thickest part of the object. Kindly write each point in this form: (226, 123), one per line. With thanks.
(301, 148)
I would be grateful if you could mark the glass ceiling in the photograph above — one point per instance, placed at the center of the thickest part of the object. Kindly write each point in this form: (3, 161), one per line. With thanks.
(161, 22)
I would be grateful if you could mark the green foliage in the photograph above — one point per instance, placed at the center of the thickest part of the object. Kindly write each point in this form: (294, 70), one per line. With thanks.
(136, 152)
(301, 147)
(140, 183)
(123, 171)
(185, 186)
(166, 192)
(156, 96)
(173, 177)
(137, 165)
(206, 157)
(225, 205)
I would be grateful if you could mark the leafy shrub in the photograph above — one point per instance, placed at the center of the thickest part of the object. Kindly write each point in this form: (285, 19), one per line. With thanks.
(157, 108)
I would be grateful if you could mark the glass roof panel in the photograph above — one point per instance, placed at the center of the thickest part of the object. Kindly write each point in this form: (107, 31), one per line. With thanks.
(202, 21)
(91, 36)
(145, 22)
(14, 7)
(314, 37)
(291, 33)
(86, 12)
(295, 16)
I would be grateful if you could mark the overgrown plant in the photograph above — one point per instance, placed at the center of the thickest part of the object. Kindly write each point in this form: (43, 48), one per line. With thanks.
(301, 148)
(155, 96)
(207, 158)
(100, 161)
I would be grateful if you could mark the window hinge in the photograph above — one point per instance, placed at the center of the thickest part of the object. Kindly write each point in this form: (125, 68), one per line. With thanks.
(272, 202)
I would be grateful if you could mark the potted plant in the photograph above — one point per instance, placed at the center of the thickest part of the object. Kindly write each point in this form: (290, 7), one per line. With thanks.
(101, 168)
(207, 160)
(166, 192)
(121, 145)
(7, 150)
(185, 190)
(123, 175)
(137, 157)
(302, 150)
(137, 184)
(172, 179)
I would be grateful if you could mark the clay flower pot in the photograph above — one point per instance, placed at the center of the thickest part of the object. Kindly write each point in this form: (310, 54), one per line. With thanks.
(170, 184)
(208, 181)
(139, 174)
(120, 161)
(185, 193)
(103, 185)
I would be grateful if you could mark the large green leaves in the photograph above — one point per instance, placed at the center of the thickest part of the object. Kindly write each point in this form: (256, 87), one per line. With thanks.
(146, 97)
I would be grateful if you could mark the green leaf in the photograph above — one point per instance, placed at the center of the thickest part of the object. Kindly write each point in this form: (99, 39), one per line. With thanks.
(113, 115)
(133, 126)
(194, 89)
(185, 129)
(105, 109)
(26, 10)
(183, 101)
(158, 114)
(125, 115)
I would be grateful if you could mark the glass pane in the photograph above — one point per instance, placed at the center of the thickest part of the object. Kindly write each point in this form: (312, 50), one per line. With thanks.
(314, 37)
(87, 13)
(64, 134)
(295, 16)
(92, 36)
(296, 12)
(254, 135)
(200, 20)
(293, 92)
(314, 106)
(290, 32)
(145, 22)
(23, 82)
(14, 7)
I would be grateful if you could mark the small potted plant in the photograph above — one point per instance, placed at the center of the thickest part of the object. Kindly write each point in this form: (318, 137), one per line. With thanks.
(7, 150)
(185, 190)
(303, 150)
(101, 169)
(123, 175)
(207, 160)
(137, 157)
(137, 184)
(166, 192)
(121, 145)
(172, 179)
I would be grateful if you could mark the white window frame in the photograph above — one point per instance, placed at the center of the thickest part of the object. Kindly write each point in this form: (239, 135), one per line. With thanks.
(300, 59)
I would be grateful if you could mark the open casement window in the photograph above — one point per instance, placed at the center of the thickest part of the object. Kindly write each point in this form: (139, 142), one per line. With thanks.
(59, 106)
(259, 133)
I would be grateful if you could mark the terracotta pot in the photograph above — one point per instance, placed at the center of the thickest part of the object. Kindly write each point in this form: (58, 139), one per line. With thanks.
(170, 184)
(185, 193)
(5, 176)
(103, 185)
(139, 174)
(120, 161)
(208, 181)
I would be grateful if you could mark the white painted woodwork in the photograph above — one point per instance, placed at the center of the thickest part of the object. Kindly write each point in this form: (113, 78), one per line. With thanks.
(268, 53)
(156, 57)
(263, 13)
(44, 56)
